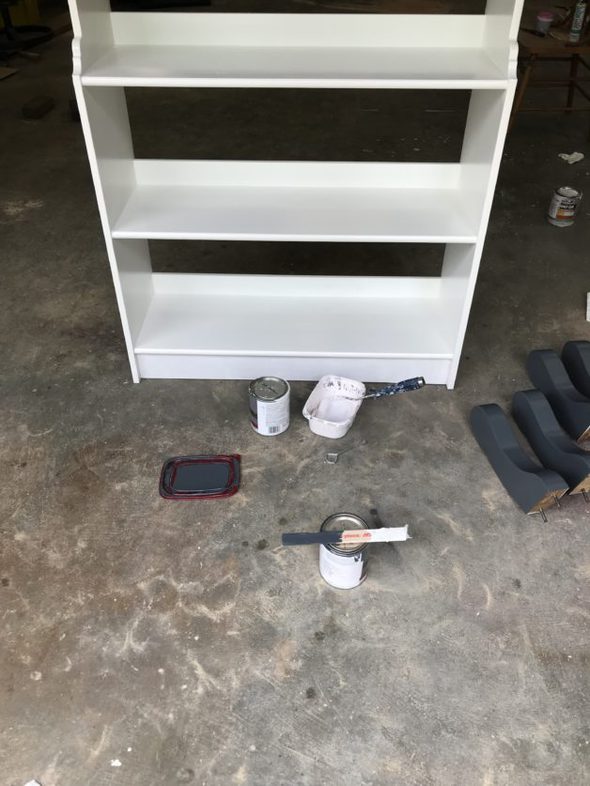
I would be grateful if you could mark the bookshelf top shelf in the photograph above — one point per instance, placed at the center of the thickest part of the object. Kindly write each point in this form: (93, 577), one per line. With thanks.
(303, 66)
(296, 50)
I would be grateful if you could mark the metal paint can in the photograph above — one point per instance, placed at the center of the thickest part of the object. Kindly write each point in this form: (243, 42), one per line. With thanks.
(563, 207)
(269, 405)
(343, 566)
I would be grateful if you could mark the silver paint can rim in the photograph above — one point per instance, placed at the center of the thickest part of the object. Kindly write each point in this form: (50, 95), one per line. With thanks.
(342, 521)
(274, 395)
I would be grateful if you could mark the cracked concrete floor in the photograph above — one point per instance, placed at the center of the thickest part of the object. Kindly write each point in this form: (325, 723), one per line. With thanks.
(180, 641)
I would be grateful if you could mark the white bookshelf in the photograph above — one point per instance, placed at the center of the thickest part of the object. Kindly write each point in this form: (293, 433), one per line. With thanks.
(300, 327)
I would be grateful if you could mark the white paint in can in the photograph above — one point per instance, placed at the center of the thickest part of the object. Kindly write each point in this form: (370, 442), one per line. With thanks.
(343, 566)
(269, 405)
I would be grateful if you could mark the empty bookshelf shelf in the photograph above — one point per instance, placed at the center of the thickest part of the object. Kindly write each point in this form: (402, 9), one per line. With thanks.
(336, 67)
(299, 201)
(193, 320)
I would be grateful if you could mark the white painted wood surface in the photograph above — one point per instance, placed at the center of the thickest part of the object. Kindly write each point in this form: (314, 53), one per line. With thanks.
(274, 66)
(324, 31)
(303, 315)
(105, 124)
(485, 133)
(304, 50)
(299, 50)
(217, 326)
(435, 372)
(299, 201)
(381, 324)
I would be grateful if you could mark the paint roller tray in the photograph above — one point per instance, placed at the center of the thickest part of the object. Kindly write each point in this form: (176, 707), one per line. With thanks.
(200, 477)
(332, 406)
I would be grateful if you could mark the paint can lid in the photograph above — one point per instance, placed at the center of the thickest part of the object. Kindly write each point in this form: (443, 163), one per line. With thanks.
(344, 521)
(268, 388)
(568, 191)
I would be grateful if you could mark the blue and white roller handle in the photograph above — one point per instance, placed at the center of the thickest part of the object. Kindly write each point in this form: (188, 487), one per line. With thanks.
(398, 387)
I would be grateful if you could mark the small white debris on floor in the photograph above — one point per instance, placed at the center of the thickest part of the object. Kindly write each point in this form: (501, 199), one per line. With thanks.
(572, 158)
(32, 783)
(116, 763)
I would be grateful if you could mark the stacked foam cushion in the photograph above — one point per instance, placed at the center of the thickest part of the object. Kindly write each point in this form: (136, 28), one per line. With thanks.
(555, 418)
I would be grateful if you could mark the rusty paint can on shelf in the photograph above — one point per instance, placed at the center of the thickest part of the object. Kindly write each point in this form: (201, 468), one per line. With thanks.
(343, 566)
(563, 207)
(269, 405)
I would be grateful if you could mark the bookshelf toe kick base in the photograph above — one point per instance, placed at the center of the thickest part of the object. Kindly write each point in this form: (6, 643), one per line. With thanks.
(152, 366)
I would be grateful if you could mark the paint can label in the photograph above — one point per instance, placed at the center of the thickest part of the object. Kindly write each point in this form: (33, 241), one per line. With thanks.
(269, 406)
(563, 207)
(577, 23)
(343, 571)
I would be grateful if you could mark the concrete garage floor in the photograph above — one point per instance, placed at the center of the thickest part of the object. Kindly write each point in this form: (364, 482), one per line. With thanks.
(181, 640)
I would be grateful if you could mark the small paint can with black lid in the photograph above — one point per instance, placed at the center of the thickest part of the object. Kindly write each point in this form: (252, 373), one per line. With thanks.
(343, 566)
(269, 405)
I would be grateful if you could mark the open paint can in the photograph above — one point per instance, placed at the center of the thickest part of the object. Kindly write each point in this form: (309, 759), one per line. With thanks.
(343, 566)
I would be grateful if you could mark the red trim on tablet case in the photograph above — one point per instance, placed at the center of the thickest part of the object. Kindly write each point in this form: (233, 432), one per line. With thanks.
(173, 465)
